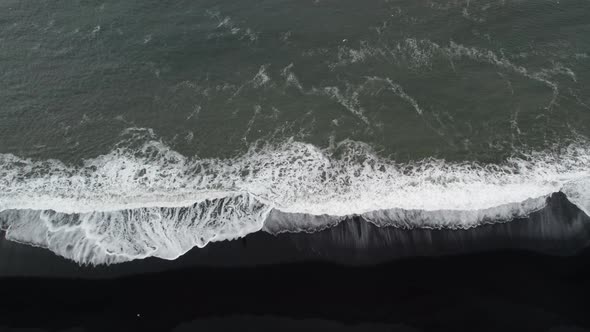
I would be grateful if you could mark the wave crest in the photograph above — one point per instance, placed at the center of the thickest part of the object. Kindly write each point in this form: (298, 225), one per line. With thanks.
(139, 200)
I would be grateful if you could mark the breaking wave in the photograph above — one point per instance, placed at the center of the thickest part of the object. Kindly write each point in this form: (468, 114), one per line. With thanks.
(144, 199)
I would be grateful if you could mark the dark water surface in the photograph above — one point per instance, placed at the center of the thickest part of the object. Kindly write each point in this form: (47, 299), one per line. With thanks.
(459, 80)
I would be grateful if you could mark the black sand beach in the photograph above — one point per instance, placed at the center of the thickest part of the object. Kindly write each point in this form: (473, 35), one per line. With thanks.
(560, 228)
(526, 275)
(501, 291)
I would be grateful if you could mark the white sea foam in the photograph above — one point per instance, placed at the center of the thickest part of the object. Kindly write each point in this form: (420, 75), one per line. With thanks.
(144, 199)
(420, 53)
(117, 236)
(349, 100)
(578, 192)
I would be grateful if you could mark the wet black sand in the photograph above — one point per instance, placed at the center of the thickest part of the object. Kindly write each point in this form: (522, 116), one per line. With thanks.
(499, 291)
(528, 275)
(559, 229)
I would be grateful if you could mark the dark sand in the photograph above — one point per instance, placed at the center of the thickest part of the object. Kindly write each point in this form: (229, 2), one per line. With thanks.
(527, 275)
(501, 291)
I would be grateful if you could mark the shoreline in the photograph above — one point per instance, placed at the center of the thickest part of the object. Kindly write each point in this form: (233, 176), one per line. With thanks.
(559, 229)
(529, 274)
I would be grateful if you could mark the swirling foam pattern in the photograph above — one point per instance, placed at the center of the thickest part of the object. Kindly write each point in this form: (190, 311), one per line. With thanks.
(147, 200)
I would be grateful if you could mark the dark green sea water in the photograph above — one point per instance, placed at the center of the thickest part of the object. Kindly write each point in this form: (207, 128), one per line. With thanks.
(111, 111)
(450, 79)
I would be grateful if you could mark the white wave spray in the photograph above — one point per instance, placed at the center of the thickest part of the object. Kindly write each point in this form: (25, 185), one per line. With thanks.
(145, 199)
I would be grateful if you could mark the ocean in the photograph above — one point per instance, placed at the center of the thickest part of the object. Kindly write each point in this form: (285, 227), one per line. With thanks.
(145, 136)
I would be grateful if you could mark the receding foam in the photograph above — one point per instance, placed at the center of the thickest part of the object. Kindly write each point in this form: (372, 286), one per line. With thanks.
(144, 199)
(117, 236)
